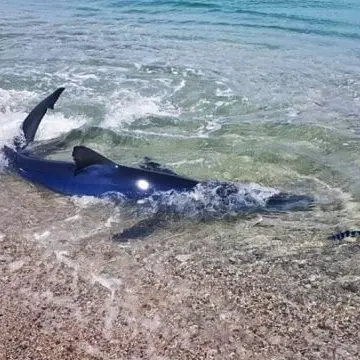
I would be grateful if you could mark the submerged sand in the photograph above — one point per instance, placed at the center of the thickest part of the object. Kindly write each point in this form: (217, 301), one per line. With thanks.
(256, 288)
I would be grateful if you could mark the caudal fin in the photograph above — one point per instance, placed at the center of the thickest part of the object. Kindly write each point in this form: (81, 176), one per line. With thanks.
(289, 202)
(32, 121)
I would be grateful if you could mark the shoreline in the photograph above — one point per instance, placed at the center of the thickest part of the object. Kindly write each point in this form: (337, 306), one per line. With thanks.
(246, 290)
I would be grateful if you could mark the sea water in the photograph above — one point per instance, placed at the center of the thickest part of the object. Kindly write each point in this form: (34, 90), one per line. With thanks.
(245, 91)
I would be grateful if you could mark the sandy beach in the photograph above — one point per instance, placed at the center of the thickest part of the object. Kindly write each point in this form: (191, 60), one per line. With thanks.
(257, 288)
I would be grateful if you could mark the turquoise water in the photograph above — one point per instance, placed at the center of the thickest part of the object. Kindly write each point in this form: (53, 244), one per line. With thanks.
(250, 91)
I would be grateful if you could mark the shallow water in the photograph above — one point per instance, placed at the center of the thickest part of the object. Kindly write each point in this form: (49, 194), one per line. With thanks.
(257, 91)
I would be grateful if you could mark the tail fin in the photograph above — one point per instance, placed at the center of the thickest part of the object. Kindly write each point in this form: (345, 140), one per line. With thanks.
(32, 121)
(290, 202)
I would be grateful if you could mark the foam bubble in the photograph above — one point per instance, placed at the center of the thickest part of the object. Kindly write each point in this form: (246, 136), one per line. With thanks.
(84, 202)
(57, 124)
(210, 200)
(12, 113)
(226, 92)
(125, 106)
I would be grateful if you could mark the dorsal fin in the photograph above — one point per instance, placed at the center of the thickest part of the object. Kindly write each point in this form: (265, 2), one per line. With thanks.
(32, 121)
(84, 157)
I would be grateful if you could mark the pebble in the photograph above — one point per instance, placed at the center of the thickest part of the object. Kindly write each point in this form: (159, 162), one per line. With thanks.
(5, 258)
(16, 265)
(183, 258)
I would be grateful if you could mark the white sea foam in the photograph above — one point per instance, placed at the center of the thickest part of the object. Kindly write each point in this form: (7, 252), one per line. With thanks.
(125, 106)
(226, 92)
(15, 106)
(12, 113)
(144, 133)
(210, 200)
(56, 124)
(84, 202)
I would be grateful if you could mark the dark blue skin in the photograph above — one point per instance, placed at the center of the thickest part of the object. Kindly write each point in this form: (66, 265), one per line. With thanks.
(91, 173)
(94, 180)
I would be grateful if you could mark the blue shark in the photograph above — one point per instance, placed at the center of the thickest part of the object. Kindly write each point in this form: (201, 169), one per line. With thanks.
(90, 173)
(93, 174)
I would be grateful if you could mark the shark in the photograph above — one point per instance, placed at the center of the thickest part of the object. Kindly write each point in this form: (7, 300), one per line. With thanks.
(93, 174)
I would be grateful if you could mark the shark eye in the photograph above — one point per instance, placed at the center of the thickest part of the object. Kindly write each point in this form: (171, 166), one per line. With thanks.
(143, 184)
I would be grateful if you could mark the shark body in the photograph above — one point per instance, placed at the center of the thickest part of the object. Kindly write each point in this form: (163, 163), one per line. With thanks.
(92, 174)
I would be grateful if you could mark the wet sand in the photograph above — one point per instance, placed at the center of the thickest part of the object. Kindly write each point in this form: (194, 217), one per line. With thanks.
(255, 288)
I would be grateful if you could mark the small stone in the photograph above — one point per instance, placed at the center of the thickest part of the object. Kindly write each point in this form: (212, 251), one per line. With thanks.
(16, 265)
(325, 325)
(193, 329)
(5, 258)
(351, 287)
(301, 263)
(275, 340)
(183, 258)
